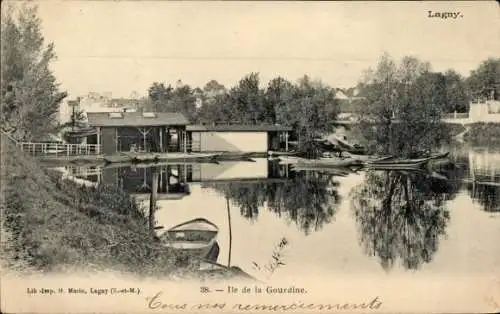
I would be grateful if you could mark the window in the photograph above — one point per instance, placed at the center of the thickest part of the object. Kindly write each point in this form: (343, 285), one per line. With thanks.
(115, 115)
(149, 115)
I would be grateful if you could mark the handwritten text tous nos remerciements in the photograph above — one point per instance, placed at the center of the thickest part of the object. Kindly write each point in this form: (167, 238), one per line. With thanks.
(155, 303)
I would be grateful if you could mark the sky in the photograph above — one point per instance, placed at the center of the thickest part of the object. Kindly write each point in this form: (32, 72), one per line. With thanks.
(125, 46)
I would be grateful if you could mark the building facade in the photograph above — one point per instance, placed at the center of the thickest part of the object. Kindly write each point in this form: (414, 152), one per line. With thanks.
(237, 138)
(139, 131)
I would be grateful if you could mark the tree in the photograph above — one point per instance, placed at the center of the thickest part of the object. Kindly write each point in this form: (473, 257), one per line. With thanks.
(159, 95)
(484, 82)
(30, 96)
(278, 100)
(457, 98)
(215, 110)
(312, 111)
(213, 88)
(246, 100)
(182, 100)
(402, 98)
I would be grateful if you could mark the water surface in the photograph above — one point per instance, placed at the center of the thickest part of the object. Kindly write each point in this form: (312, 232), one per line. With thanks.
(285, 223)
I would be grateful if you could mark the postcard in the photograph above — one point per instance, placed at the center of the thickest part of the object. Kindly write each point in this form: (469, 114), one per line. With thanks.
(250, 157)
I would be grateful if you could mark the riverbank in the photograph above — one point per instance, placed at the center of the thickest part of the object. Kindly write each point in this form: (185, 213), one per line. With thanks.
(483, 134)
(52, 224)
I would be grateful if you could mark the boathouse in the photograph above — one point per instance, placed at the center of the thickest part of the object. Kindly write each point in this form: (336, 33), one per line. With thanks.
(237, 138)
(139, 131)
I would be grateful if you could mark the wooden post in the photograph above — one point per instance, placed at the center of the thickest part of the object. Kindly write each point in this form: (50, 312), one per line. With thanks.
(185, 141)
(98, 148)
(286, 141)
(161, 139)
(152, 199)
(230, 232)
(167, 134)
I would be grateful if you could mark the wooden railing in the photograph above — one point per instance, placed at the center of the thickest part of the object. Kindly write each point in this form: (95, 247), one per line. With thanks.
(60, 150)
(83, 171)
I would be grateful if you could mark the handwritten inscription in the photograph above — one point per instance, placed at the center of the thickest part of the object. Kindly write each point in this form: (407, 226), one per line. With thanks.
(155, 303)
(444, 15)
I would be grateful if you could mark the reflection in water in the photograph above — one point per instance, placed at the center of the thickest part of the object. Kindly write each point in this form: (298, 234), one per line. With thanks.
(400, 218)
(487, 196)
(481, 171)
(397, 219)
(307, 198)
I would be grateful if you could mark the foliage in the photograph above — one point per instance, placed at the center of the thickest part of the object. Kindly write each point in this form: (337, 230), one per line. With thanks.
(457, 93)
(309, 106)
(486, 195)
(400, 217)
(306, 199)
(30, 97)
(484, 82)
(402, 98)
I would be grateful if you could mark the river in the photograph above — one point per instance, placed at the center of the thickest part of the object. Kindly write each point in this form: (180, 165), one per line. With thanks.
(284, 222)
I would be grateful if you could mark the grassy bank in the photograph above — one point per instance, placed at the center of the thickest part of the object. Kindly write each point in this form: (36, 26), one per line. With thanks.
(483, 134)
(55, 225)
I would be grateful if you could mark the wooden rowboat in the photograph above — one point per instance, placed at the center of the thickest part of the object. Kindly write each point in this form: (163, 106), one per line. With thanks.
(278, 154)
(194, 237)
(329, 162)
(407, 164)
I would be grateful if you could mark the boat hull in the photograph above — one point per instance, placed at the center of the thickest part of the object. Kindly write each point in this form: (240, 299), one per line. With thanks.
(194, 238)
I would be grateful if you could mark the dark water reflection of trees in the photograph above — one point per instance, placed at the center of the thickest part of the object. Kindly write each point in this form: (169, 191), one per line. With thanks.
(486, 195)
(308, 199)
(401, 216)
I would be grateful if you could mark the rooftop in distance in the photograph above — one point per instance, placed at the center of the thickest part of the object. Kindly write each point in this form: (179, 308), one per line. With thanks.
(135, 118)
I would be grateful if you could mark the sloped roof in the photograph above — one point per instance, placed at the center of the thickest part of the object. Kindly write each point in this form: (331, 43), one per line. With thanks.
(135, 119)
(238, 128)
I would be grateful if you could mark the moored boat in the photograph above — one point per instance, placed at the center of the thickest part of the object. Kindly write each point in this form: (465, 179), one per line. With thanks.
(392, 163)
(290, 159)
(278, 154)
(330, 162)
(195, 237)
(336, 171)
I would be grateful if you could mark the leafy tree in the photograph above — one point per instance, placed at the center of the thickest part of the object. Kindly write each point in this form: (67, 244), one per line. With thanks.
(402, 98)
(457, 98)
(30, 96)
(246, 100)
(183, 100)
(160, 95)
(278, 100)
(215, 109)
(312, 111)
(484, 82)
(213, 88)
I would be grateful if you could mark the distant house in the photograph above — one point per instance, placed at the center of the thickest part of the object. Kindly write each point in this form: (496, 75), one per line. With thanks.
(139, 131)
(487, 111)
(238, 138)
(349, 101)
